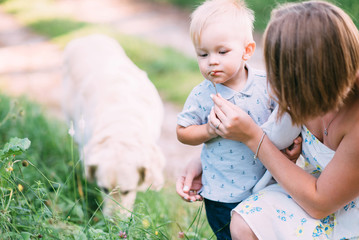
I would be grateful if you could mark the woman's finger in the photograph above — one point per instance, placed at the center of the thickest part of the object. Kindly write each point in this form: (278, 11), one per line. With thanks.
(213, 120)
(216, 123)
(225, 106)
(212, 116)
(220, 115)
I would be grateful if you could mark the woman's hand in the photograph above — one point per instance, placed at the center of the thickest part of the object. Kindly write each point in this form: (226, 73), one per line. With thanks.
(190, 183)
(210, 128)
(233, 123)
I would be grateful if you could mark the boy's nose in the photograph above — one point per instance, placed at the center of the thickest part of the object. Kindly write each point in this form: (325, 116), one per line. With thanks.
(213, 60)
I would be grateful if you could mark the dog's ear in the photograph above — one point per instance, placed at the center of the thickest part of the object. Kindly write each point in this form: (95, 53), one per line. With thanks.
(141, 175)
(91, 172)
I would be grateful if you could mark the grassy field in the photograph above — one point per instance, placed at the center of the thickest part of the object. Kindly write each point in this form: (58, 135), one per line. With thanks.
(44, 193)
(262, 8)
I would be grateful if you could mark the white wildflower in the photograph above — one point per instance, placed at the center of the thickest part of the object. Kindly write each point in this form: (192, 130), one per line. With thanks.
(72, 130)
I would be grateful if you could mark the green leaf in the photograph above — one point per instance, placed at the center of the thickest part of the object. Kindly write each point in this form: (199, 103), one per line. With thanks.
(16, 146)
(26, 235)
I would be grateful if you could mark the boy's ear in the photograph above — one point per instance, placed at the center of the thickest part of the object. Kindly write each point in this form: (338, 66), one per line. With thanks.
(249, 50)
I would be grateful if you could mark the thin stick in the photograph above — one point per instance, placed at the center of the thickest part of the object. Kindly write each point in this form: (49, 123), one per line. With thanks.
(215, 87)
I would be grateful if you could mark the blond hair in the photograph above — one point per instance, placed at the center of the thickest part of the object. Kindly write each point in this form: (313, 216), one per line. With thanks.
(312, 55)
(234, 10)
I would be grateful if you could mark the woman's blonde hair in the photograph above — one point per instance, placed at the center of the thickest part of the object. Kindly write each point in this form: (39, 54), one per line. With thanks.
(311, 52)
(210, 10)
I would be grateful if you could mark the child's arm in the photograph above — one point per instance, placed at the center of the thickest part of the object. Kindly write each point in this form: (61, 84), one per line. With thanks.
(281, 132)
(193, 127)
(195, 134)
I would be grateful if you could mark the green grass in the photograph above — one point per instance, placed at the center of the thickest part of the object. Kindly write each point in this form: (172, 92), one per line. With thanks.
(57, 202)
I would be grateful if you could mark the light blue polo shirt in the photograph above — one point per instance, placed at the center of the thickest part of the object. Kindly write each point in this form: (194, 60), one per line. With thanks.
(229, 169)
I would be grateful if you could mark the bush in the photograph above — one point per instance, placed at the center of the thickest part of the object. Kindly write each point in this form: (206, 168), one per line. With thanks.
(262, 8)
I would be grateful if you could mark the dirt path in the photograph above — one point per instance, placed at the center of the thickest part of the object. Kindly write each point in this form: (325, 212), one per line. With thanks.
(30, 65)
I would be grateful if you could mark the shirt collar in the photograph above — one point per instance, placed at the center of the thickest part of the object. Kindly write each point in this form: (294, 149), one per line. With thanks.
(228, 93)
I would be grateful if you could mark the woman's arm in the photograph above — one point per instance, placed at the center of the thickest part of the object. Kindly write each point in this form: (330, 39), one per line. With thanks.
(337, 185)
(195, 134)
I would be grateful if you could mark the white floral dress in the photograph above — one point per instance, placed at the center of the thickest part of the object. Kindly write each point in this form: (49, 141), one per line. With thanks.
(273, 214)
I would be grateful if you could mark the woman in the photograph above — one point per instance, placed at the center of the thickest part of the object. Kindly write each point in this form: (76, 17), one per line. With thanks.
(312, 61)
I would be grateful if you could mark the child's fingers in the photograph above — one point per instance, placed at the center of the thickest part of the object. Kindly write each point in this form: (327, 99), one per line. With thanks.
(180, 186)
(183, 189)
(298, 140)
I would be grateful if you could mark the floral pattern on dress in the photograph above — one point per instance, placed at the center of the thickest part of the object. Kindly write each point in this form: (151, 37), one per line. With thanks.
(247, 207)
(325, 228)
(273, 207)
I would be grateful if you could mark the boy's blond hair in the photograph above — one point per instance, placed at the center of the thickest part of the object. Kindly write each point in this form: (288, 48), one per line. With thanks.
(234, 10)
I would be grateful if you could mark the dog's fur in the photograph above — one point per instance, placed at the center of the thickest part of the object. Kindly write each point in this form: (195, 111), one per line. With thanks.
(117, 115)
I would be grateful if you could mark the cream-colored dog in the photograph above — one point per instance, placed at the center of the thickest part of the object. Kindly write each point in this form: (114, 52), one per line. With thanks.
(117, 115)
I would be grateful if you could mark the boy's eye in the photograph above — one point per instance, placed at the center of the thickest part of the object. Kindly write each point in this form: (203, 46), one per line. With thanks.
(203, 55)
(223, 52)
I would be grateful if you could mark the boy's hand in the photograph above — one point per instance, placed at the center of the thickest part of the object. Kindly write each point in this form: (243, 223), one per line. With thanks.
(189, 184)
(293, 151)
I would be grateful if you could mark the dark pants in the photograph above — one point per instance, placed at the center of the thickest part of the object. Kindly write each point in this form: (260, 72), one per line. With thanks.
(219, 217)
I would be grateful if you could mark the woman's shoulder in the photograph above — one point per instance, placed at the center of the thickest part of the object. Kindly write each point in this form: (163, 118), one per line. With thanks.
(347, 126)
(351, 117)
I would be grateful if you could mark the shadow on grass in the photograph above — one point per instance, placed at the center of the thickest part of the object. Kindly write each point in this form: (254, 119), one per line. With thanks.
(56, 27)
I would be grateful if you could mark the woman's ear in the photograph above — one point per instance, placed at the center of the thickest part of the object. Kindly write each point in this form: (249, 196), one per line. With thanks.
(249, 50)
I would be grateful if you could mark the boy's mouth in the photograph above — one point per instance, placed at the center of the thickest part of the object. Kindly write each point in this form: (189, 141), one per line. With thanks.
(213, 73)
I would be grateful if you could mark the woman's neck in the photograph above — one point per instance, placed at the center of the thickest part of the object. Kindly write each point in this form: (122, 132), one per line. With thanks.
(331, 128)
